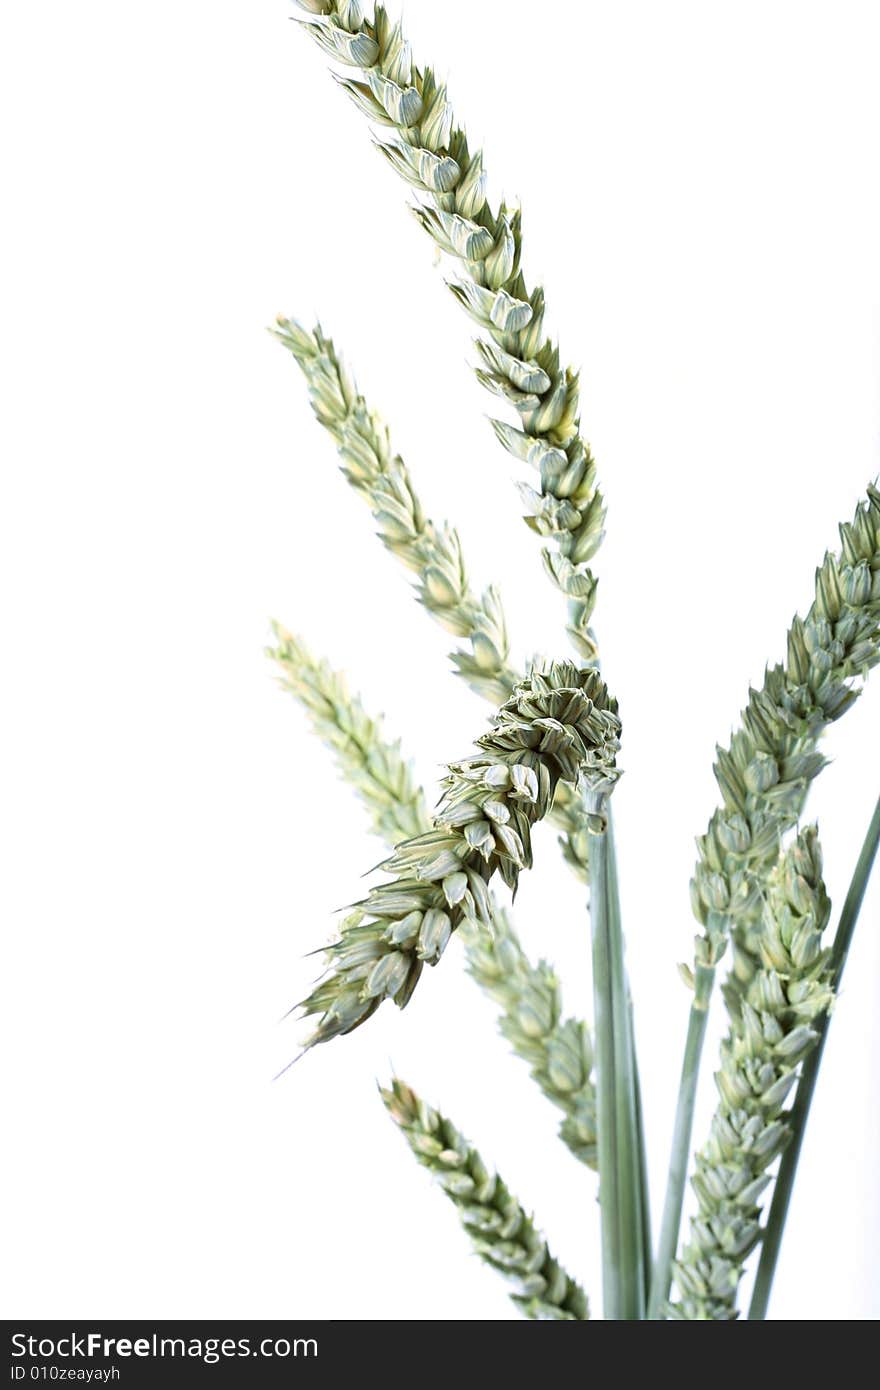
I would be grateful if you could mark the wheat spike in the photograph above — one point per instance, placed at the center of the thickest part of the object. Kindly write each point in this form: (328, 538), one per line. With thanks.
(431, 551)
(501, 1232)
(560, 724)
(766, 772)
(422, 142)
(558, 1051)
(771, 1033)
(376, 768)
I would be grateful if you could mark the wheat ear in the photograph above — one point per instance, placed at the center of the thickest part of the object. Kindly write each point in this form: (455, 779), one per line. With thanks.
(765, 774)
(376, 768)
(501, 1232)
(774, 1029)
(430, 549)
(774, 1227)
(430, 152)
(558, 1051)
(764, 777)
(560, 724)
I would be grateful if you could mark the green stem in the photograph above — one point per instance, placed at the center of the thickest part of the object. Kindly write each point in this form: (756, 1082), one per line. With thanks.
(643, 1166)
(681, 1143)
(632, 1185)
(620, 1169)
(606, 1130)
(800, 1111)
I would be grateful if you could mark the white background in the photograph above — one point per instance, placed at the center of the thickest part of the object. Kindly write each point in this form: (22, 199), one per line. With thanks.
(700, 200)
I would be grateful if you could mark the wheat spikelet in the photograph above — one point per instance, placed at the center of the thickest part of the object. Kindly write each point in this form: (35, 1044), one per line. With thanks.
(559, 725)
(765, 774)
(429, 150)
(770, 1034)
(501, 1232)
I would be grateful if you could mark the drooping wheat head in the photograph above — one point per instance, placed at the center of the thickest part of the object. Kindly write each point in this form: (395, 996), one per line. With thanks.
(560, 724)
(558, 1050)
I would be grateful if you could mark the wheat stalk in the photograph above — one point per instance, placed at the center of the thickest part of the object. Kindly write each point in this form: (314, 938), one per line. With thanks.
(559, 725)
(430, 549)
(774, 1029)
(557, 1050)
(430, 152)
(501, 1232)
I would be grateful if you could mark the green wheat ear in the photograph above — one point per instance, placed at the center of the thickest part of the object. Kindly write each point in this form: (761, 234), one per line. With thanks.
(765, 774)
(424, 145)
(560, 724)
(376, 769)
(429, 550)
(558, 1051)
(501, 1232)
(774, 1029)
(764, 777)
